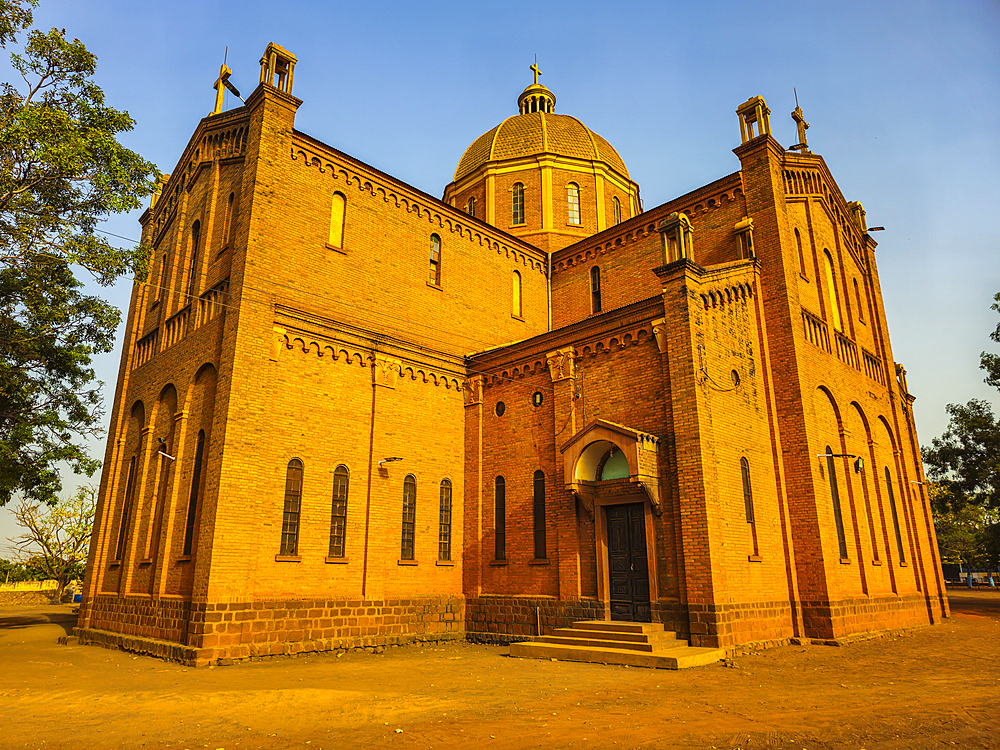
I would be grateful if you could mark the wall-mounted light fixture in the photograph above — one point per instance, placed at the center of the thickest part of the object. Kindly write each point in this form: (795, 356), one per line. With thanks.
(389, 459)
(859, 463)
(163, 449)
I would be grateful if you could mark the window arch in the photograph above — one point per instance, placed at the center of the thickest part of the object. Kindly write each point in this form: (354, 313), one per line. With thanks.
(471, 207)
(831, 469)
(293, 506)
(409, 517)
(516, 294)
(195, 239)
(444, 522)
(538, 513)
(573, 203)
(338, 512)
(517, 204)
(192, 514)
(617, 205)
(435, 275)
(500, 519)
(895, 516)
(802, 257)
(595, 289)
(831, 291)
(338, 211)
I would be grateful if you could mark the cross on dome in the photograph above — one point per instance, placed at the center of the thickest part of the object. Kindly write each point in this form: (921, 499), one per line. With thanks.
(536, 71)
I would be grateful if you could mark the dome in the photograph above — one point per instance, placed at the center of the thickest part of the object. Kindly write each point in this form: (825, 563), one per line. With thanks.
(536, 133)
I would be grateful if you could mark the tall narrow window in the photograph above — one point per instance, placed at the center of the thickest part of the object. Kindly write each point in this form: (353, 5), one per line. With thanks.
(227, 226)
(831, 291)
(409, 517)
(573, 203)
(861, 307)
(293, 507)
(831, 469)
(500, 520)
(517, 204)
(337, 211)
(618, 210)
(199, 453)
(444, 522)
(435, 277)
(471, 208)
(595, 289)
(192, 274)
(802, 257)
(338, 512)
(747, 493)
(538, 508)
(126, 510)
(895, 517)
(515, 305)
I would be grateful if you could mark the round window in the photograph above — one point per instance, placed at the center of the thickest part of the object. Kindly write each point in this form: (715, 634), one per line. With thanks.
(501, 408)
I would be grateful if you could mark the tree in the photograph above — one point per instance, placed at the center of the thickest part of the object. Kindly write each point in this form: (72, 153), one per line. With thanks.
(965, 461)
(962, 535)
(62, 171)
(56, 538)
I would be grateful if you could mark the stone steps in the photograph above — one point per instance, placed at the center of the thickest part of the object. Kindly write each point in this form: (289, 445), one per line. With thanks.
(636, 644)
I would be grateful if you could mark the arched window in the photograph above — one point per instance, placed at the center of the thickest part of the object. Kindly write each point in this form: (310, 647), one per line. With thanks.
(409, 517)
(500, 520)
(861, 307)
(471, 208)
(435, 277)
(831, 291)
(516, 294)
(227, 226)
(573, 203)
(338, 210)
(595, 289)
(192, 273)
(293, 506)
(895, 517)
(517, 204)
(444, 522)
(618, 210)
(802, 257)
(126, 511)
(831, 469)
(199, 453)
(338, 512)
(538, 508)
(747, 493)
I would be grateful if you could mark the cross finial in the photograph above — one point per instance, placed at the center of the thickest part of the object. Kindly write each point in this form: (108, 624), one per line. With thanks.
(220, 87)
(537, 72)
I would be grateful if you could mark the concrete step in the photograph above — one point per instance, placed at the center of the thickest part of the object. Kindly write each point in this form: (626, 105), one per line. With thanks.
(675, 658)
(619, 626)
(581, 639)
(608, 635)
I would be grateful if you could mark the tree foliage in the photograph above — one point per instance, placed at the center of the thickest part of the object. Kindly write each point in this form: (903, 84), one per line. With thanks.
(62, 172)
(56, 538)
(991, 362)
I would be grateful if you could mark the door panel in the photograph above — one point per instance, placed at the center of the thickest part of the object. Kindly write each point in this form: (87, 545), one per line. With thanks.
(628, 566)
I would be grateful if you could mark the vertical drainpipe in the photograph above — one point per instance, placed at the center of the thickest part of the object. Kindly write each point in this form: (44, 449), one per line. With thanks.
(549, 289)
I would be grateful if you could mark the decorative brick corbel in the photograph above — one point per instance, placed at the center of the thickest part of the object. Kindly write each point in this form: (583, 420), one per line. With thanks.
(660, 334)
(386, 372)
(472, 390)
(277, 341)
(561, 364)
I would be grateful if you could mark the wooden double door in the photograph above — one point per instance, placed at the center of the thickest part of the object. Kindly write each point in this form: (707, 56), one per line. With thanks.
(628, 563)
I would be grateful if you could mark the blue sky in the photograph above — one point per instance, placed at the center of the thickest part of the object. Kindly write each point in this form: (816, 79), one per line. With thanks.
(903, 97)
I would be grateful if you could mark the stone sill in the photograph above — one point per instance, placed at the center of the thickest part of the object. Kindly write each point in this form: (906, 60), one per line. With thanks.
(337, 560)
(445, 563)
(755, 558)
(539, 561)
(406, 562)
(336, 249)
(845, 561)
(287, 558)
(498, 563)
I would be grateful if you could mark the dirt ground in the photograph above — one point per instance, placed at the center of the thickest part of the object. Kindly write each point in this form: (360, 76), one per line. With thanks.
(931, 687)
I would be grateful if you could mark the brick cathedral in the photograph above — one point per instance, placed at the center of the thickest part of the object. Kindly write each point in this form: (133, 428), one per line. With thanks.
(350, 413)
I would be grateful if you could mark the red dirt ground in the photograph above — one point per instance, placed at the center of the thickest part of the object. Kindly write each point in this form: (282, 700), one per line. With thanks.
(926, 688)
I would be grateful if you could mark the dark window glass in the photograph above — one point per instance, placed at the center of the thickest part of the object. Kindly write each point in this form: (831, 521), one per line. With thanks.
(831, 469)
(539, 514)
(293, 506)
(126, 510)
(747, 495)
(193, 273)
(595, 289)
(618, 211)
(338, 513)
(895, 517)
(517, 204)
(195, 489)
(573, 201)
(435, 277)
(444, 522)
(472, 206)
(500, 520)
(409, 516)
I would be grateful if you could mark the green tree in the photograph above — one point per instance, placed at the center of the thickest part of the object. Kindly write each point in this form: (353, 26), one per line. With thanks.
(962, 535)
(991, 362)
(56, 538)
(62, 171)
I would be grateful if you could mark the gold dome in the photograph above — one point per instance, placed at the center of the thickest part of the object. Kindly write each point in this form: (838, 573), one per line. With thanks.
(538, 133)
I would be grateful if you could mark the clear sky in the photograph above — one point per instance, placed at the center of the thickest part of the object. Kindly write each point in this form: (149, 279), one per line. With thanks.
(903, 97)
